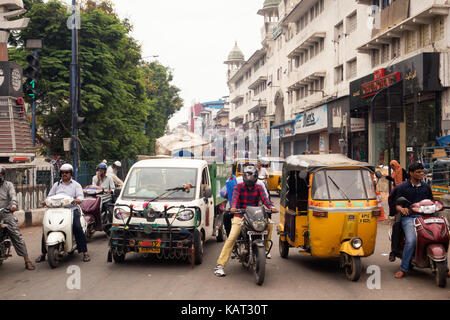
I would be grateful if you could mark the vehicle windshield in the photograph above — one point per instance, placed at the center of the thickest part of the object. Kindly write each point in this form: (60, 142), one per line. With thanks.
(337, 184)
(147, 183)
(276, 166)
(441, 174)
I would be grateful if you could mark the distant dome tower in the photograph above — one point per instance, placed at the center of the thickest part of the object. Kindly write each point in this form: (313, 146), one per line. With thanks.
(235, 60)
(270, 10)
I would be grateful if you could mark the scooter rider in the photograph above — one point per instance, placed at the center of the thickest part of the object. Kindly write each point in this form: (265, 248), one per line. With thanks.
(102, 180)
(112, 172)
(71, 188)
(245, 194)
(8, 199)
(414, 190)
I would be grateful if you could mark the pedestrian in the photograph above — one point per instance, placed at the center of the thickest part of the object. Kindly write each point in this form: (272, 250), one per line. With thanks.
(8, 200)
(398, 173)
(112, 172)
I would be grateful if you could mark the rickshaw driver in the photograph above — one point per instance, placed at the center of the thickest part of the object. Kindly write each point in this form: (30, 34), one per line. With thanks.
(245, 194)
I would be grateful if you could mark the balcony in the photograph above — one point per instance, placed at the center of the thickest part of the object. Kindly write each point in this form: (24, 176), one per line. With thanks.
(237, 98)
(309, 42)
(257, 82)
(261, 104)
(409, 24)
(306, 80)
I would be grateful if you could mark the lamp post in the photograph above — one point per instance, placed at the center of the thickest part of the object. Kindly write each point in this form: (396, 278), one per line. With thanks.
(74, 87)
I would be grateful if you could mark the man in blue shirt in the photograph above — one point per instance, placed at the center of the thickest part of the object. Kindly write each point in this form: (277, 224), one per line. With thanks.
(71, 188)
(414, 190)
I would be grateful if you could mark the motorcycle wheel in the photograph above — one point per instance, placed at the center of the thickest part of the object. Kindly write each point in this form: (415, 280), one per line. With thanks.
(198, 247)
(260, 265)
(118, 258)
(441, 274)
(284, 248)
(54, 259)
(90, 231)
(353, 268)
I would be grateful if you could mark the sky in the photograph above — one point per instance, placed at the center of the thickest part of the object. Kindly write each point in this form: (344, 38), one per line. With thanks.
(193, 38)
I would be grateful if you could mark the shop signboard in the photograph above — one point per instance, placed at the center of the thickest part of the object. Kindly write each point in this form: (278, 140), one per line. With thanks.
(357, 124)
(312, 120)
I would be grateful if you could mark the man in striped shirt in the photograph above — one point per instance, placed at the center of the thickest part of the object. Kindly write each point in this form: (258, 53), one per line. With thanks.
(245, 194)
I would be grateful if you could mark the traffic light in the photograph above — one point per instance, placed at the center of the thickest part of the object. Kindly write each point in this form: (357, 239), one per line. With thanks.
(32, 74)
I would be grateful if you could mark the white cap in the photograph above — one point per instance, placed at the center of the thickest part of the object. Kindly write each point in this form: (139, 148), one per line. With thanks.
(66, 167)
(117, 164)
(105, 162)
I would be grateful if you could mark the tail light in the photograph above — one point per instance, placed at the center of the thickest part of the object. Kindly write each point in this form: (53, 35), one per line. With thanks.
(320, 214)
(376, 213)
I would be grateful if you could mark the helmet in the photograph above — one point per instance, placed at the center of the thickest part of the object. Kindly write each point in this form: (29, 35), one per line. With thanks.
(105, 162)
(117, 164)
(66, 167)
(101, 166)
(250, 175)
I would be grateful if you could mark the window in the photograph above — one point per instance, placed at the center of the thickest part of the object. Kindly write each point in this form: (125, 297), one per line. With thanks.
(395, 48)
(351, 23)
(351, 69)
(437, 29)
(339, 74)
(339, 31)
(411, 41)
(384, 53)
(375, 57)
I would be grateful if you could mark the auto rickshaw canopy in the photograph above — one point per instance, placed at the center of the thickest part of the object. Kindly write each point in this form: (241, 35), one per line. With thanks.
(312, 162)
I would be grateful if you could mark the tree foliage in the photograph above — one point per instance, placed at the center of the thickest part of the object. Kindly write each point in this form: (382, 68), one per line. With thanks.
(125, 102)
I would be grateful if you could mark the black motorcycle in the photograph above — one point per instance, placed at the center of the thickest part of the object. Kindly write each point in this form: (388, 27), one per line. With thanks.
(5, 241)
(250, 245)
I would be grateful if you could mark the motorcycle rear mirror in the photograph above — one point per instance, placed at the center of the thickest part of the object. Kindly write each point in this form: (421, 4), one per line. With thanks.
(378, 174)
(402, 201)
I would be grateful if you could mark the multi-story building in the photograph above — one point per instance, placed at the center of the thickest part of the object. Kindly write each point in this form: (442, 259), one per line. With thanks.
(358, 77)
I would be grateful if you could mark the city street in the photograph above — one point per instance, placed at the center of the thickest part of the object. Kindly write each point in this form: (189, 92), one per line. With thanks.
(140, 278)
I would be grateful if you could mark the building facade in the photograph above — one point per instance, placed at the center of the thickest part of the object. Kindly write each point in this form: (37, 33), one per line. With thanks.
(365, 78)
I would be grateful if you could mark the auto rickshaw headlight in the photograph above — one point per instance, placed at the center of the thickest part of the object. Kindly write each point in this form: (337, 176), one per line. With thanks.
(356, 243)
(185, 215)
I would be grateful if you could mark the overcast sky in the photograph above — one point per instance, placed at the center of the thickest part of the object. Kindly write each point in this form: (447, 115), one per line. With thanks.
(194, 38)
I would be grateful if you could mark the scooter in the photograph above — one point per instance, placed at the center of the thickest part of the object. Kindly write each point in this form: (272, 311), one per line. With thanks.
(58, 228)
(97, 209)
(432, 238)
(5, 241)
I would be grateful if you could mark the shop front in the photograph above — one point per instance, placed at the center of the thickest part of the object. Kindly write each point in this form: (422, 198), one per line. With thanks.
(311, 130)
(338, 122)
(286, 131)
(395, 112)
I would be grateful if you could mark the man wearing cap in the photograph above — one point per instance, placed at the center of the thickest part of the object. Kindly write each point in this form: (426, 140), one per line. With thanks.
(71, 188)
(8, 200)
(112, 172)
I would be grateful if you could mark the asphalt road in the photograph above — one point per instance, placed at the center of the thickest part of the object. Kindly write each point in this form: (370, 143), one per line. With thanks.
(296, 278)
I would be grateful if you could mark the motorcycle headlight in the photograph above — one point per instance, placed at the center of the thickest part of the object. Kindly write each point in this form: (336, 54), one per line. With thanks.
(259, 225)
(356, 243)
(185, 215)
(120, 213)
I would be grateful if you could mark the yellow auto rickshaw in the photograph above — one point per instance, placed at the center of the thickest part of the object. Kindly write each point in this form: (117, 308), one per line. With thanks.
(274, 166)
(328, 209)
(440, 178)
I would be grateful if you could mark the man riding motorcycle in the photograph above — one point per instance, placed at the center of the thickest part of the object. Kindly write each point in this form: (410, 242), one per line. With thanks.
(71, 188)
(9, 221)
(245, 194)
(102, 180)
(112, 172)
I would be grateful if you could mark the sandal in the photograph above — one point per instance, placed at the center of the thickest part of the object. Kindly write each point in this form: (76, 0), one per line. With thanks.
(29, 266)
(40, 259)
(86, 258)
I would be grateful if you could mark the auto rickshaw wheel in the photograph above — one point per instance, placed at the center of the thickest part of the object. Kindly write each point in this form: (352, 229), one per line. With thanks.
(284, 248)
(441, 274)
(352, 267)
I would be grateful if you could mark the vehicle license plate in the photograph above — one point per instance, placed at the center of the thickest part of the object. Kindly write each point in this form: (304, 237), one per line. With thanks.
(434, 221)
(150, 244)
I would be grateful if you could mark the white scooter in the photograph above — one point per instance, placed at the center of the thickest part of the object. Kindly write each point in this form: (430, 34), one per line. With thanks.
(57, 224)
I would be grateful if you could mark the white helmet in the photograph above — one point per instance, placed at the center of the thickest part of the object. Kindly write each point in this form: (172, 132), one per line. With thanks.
(104, 161)
(117, 164)
(66, 167)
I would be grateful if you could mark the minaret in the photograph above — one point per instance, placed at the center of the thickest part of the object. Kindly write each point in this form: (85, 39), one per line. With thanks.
(270, 10)
(235, 61)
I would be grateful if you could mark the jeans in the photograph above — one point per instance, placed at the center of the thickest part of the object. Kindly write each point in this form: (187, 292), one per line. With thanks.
(410, 245)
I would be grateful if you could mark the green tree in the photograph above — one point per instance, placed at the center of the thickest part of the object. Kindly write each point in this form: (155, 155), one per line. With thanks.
(120, 96)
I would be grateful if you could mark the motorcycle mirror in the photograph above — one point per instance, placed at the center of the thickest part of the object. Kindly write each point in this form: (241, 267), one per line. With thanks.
(378, 174)
(402, 201)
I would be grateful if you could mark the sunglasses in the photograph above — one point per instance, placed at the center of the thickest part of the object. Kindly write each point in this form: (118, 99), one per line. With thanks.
(66, 172)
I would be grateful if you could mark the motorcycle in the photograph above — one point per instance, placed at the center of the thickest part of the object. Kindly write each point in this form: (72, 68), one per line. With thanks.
(97, 208)
(5, 241)
(432, 238)
(58, 228)
(250, 245)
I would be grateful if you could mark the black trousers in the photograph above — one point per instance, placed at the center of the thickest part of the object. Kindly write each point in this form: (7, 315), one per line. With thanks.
(396, 237)
(80, 236)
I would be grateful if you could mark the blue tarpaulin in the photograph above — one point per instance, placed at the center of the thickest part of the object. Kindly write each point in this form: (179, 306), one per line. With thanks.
(183, 153)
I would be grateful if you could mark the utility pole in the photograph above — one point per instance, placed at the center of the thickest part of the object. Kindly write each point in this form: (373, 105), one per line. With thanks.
(74, 88)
